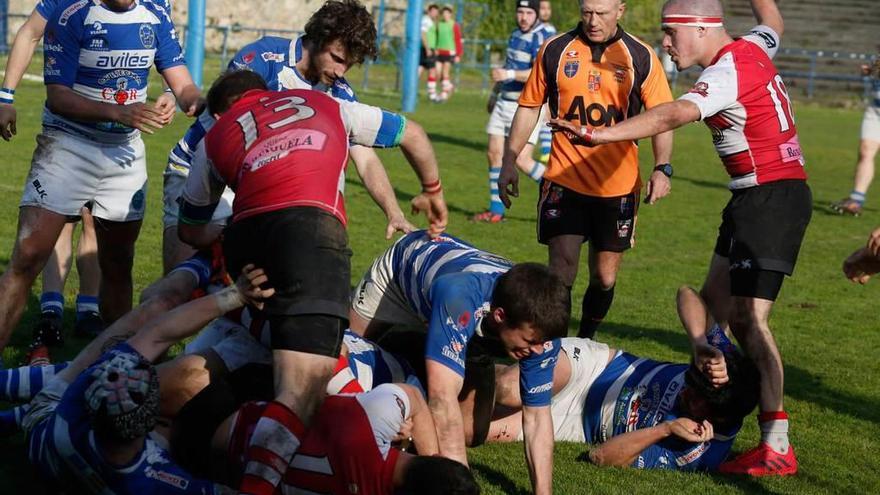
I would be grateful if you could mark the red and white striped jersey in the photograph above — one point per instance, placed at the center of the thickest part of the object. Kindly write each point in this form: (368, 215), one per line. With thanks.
(743, 100)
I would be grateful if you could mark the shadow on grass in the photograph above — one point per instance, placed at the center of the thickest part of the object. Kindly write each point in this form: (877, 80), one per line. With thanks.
(457, 141)
(498, 479)
(800, 384)
(708, 184)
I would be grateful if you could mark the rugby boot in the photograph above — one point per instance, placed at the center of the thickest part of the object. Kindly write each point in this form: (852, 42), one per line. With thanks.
(47, 331)
(762, 461)
(487, 217)
(847, 206)
(89, 325)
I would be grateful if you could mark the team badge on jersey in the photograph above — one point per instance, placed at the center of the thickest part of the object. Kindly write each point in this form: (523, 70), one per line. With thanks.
(571, 68)
(701, 88)
(147, 35)
(594, 83)
(620, 74)
(248, 57)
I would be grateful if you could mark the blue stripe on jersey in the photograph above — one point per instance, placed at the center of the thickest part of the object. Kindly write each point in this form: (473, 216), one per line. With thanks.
(391, 131)
(875, 89)
(522, 48)
(373, 366)
(106, 56)
(180, 158)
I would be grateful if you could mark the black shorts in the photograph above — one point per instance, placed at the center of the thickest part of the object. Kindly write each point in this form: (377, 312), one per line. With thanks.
(607, 223)
(304, 252)
(761, 230)
(426, 61)
(445, 57)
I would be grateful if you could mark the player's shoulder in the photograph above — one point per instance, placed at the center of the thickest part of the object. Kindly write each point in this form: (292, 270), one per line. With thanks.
(160, 8)
(66, 11)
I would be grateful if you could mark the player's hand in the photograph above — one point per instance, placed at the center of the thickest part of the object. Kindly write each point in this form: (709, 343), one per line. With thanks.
(874, 242)
(398, 223)
(434, 207)
(405, 432)
(508, 184)
(166, 104)
(145, 118)
(710, 361)
(691, 431)
(499, 74)
(196, 107)
(249, 286)
(861, 265)
(7, 121)
(659, 186)
(579, 135)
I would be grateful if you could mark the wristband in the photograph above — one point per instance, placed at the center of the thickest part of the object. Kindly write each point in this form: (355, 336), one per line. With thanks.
(7, 95)
(169, 90)
(432, 187)
(511, 75)
(229, 299)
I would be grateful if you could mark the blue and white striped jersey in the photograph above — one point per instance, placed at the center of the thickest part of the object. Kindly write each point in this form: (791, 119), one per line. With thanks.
(522, 49)
(46, 7)
(449, 284)
(63, 447)
(106, 56)
(372, 366)
(634, 393)
(274, 59)
(550, 29)
(875, 91)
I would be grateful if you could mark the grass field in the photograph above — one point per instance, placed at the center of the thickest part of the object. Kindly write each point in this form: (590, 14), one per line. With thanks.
(825, 326)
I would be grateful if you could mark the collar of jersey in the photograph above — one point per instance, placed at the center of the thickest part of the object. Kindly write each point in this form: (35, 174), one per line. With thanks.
(296, 53)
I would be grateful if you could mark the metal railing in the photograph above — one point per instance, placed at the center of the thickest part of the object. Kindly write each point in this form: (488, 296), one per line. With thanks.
(480, 55)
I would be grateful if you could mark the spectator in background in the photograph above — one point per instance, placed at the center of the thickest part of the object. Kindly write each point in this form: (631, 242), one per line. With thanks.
(545, 13)
(428, 57)
(449, 50)
(868, 146)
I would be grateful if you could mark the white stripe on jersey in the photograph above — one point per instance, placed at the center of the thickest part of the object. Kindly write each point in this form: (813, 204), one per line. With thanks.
(112, 59)
(364, 375)
(312, 464)
(139, 14)
(610, 401)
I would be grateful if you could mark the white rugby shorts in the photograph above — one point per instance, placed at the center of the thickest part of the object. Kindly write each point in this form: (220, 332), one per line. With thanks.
(502, 118)
(871, 124)
(376, 296)
(588, 359)
(172, 189)
(69, 171)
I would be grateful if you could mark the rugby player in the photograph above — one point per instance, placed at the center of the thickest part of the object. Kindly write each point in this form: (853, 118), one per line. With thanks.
(600, 75)
(87, 429)
(545, 137)
(522, 47)
(464, 294)
(284, 154)
(90, 148)
(743, 100)
(339, 35)
(640, 412)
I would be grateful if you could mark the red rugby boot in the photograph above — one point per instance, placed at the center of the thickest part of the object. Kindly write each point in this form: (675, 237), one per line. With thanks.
(762, 461)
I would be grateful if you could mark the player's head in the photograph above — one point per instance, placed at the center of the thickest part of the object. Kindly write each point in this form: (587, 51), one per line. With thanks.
(339, 35)
(728, 404)
(123, 398)
(228, 88)
(427, 475)
(527, 14)
(599, 18)
(530, 306)
(688, 25)
(433, 10)
(545, 12)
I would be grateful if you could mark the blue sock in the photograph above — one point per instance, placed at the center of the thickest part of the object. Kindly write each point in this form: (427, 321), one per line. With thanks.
(545, 137)
(86, 305)
(495, 204)
(10, 420)
(52, 302)
(858, 197)
(537, 171)
(22, 384)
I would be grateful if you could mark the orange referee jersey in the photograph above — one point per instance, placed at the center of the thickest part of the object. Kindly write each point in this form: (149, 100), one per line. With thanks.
(595, 85)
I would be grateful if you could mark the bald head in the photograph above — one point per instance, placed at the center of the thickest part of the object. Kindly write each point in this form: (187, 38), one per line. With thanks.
(707, 8)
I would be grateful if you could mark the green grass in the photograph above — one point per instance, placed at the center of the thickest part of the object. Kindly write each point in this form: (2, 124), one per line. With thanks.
(825, 326)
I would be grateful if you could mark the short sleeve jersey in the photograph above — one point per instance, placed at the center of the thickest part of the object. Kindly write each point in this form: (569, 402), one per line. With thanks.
(63, 448)
(106, 56)
(634, 393)
(449, 284)
(743, 101)
(274, 59)
(595, 85)
(284, 149)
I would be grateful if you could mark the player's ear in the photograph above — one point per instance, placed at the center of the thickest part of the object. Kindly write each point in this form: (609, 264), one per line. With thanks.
(498, 315)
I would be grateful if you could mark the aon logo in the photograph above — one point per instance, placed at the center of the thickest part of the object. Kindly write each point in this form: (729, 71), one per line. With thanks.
(594, 114)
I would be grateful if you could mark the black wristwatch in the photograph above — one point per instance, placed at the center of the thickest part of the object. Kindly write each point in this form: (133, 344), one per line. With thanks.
(666, 168)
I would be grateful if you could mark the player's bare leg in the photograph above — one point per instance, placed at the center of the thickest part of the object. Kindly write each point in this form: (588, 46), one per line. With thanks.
(716, 289)
(773, 455)
(852, 204)
(174, 251)
(48, 330)
(38, 230)
(564, 255)
(87, 266)
(600, 293)
(115, 257)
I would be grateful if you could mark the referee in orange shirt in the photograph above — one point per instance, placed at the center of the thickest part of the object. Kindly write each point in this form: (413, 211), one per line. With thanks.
(595, 75)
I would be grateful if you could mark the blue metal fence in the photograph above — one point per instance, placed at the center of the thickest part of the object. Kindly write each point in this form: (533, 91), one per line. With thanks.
(4, 25)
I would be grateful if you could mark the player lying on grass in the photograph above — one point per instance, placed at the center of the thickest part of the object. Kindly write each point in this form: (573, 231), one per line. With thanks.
(864, 262)
(640, 412)
(87, 430)
(464, 296)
